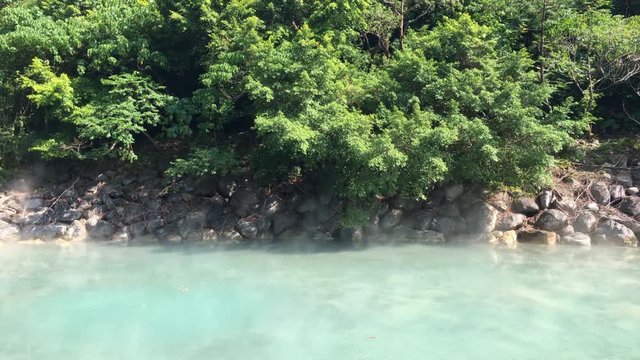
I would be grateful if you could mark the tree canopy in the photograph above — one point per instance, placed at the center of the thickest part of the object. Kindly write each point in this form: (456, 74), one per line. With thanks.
(380, 97)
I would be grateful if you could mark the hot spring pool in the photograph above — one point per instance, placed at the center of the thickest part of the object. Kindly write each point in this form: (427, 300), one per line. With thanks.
(92, 301)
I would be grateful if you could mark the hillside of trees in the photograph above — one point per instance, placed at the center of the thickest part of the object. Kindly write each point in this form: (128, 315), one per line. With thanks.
(380, 97)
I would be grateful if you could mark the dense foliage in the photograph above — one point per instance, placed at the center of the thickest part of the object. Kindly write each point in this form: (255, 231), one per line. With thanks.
(379, 97)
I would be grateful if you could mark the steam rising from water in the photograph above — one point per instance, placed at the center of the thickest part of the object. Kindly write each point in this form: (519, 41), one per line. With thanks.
(97, 302)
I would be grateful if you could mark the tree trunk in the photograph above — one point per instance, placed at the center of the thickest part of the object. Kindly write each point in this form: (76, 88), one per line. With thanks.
(402, 25)
(543, 21)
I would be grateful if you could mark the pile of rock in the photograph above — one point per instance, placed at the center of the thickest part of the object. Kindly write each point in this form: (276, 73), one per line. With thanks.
(146, 207)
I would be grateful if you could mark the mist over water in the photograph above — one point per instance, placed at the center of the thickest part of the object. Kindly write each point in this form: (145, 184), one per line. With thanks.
(102, 302)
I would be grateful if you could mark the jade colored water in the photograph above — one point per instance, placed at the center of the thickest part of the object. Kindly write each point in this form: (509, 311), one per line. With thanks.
(92, 301)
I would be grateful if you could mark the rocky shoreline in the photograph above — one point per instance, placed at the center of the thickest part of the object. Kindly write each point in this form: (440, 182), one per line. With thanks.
(131, 207)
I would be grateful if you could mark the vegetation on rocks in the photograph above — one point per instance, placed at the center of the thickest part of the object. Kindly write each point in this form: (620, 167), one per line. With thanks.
(379, 98)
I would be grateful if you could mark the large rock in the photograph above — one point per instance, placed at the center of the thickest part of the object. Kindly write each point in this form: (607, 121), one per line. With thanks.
(612, 232)
(545, 199)
(453, 192)
(481, 218)
(447, 225)
(100, 230)
(244, 202)
(623, 177)
(577, 239)
(508, 239)
(552, 220)
(272, 206)
(405, 204)
(525, 206)
(226, 186)
(71, 215)
(247, 228)
(600, 193)
(616, 192)
(230, 236)
(567, 205)
(353, 235)
(308, 205)
(9, 231)
(407, 234)
(630, 206)
(284, 221)
(391, 219)
(44, 232)
(566, 231)
(449, 210)
(133, 213)
(191, 227)
(585, 222)
(206, 186)
(39, 217)
(537, 237)
(76, 231)
(421, 220)
(501, 201)
(511, 222)
(32, 204)
(168, 234)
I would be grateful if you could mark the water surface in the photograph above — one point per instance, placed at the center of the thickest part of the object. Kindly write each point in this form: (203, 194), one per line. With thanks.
(104, 302)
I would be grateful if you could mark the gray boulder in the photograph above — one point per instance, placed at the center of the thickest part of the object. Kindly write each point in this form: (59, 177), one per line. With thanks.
(226, 186)
(567, 205)
(133, 213)
(592, 206)
(100, 230)
(9, 231)
(247, 228)
(32, 204)
(44, 232)
(453, 192)
(405, 204)
(284, 221)
(617, 192)
(623, 177)
(585, 222)
(406, 234)
(632, 191)
(481, 218)
(600, 193)
(537, 237)
(352, 235)
(511, 222)
(391, 219)
(272, 205)
(206, 186)
(630, 206)
(308, 205)
(577, 238)
(552, 220)
(545, 199)
(70, 216)
(244, 202)
(191, 227)
(525, 206)
(447, 225)
(449, 210)
(614, 233)
(421, 220)
(567, 230)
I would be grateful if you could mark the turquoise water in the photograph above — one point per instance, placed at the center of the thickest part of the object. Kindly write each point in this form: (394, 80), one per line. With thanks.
(103, 302)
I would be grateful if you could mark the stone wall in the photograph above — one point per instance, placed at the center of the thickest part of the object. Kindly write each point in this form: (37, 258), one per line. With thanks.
(144, 207)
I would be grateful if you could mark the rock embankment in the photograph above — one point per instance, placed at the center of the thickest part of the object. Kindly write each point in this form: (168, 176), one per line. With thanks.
(143, 206)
